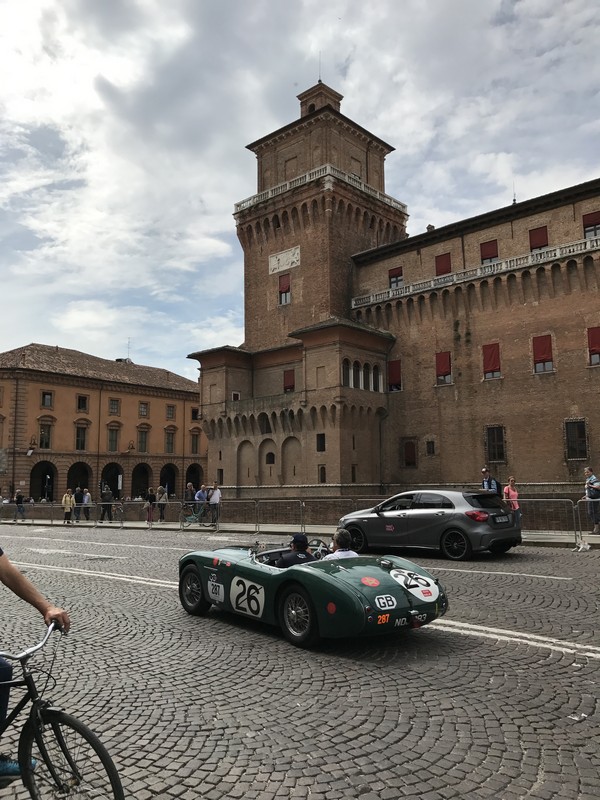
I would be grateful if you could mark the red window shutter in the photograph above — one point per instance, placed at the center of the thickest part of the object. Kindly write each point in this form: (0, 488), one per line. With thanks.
(491, 357)
(289, 380)
(443, 264)
(591, 219)
(284, 283)
(442, 364)
(594, 341)
(395, 373)
(542, 348)
(538, 237)
(489, 249)
(395, 273)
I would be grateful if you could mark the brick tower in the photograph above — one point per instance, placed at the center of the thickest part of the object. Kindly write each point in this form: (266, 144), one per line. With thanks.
(320, 199)
(279, 411)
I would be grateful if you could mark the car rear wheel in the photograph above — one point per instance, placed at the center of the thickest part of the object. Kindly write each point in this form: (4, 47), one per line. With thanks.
(190, 592)
(456, 546)
(500, 547)
(298, 618)
(359, 540)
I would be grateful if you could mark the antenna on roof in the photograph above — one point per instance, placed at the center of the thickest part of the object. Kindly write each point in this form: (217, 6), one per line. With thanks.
(319, 66)
(514, 194)
(128, 346)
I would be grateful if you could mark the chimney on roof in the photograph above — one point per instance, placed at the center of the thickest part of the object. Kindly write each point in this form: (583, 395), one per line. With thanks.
(430, 228)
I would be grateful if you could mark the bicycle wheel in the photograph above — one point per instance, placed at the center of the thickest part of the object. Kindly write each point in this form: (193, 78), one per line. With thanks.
(60, 757)
(185, 520)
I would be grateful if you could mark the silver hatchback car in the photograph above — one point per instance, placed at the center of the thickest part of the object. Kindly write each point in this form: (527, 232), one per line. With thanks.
(457, 523)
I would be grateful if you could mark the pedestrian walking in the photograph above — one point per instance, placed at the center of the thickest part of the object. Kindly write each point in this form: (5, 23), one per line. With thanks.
(162, 499)
(511, 495)
(107, 498)
(214, 502)
(68, 503)
(87, 502)
(489, 483)
(592, 495)
(149, 506)
(19, 506)
(78, 497)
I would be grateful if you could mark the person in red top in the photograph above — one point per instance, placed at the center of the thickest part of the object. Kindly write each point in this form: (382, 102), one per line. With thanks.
(511, 494)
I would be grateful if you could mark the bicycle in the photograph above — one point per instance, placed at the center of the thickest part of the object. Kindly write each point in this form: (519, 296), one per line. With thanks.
(118, 513)
(203, 516)
(58, 755)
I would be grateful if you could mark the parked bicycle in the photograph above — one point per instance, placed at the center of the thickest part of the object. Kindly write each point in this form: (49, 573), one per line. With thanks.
(58, 755)
(202, 516)
(118, 513)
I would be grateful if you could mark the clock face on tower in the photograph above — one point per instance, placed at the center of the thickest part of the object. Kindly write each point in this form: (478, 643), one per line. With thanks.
(284, 260)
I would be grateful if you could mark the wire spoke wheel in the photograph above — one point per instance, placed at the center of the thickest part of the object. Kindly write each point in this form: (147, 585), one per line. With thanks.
(191, 593)
(297, 618)
(60, 757)
(185, 520)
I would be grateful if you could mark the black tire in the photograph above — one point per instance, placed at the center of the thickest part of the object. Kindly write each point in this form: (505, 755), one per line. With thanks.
(456, 546)
(359, 540)
(206, 519)
(70, 760)
(184, 518)
(500, 547)
(191, 593)
(297, 617)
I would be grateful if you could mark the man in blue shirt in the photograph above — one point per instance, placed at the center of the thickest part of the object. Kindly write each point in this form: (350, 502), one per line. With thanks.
(489, 483)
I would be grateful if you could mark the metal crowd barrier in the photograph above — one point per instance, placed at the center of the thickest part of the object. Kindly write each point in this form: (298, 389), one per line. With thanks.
(551, 516)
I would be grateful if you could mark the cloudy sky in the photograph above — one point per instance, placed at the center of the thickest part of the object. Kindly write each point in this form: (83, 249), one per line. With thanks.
(123, 126)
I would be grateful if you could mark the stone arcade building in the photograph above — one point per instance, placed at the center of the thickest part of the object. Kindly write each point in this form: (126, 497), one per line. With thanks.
(373, 360)
(70, 419)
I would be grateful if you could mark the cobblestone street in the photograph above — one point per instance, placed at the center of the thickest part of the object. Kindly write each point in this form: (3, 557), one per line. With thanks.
(498, 699)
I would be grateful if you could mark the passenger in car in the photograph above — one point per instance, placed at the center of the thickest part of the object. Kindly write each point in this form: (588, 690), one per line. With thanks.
(341, 546)
(299, 552)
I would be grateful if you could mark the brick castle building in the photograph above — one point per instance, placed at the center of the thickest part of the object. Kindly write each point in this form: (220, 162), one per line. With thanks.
(69, 419)
(374, 361)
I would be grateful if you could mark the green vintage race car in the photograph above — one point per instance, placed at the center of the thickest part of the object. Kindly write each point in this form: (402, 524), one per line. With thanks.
(362, 596)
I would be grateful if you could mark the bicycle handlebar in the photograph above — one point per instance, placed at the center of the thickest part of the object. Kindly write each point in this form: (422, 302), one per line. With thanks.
(54, 626)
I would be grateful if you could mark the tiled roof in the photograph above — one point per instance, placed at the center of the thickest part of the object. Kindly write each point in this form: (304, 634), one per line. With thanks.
(61, 361)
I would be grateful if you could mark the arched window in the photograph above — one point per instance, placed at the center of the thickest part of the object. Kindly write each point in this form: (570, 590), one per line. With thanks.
(366, 376)
(376, 379)
(322, 474)
(264, 425)
(356, 374)
(270, 458)
(345, 372)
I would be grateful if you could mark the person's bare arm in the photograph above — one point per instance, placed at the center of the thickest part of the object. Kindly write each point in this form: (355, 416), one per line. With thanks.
(14, 580)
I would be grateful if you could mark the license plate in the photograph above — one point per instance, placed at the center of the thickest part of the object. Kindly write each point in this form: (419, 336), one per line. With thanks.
(503, 518)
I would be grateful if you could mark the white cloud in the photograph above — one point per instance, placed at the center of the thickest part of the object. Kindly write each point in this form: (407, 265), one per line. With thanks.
(124, 125)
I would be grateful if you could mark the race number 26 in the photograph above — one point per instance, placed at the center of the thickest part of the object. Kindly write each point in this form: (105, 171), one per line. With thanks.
(247, 598)
(418, 585)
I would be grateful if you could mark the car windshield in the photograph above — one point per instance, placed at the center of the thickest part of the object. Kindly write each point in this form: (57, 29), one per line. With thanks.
(484, 500)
